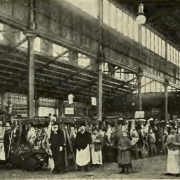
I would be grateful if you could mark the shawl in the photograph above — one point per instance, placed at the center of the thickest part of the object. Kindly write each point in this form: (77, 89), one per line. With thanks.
(97, 141)
(124, 143)
(82, 140)
(172, 143)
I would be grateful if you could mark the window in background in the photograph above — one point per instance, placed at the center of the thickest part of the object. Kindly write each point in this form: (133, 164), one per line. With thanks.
(117, 73)
(125, 23)
(119, 20)
(25, 44)
(105, 68)
(172, 54)
(156, 44)
(106, 4)
(16, 98)
(152, 41)
(143, 31)
(148, 39)
(1, 29)
(143, 90)
(136, 29)
(83, 60)
(24, 99)
(37, 44)
(122, 74)
(157, 87)
(89, 7)
(160, 47)
(113, 16)
(175, 54)
(57, 50)
(153, 87)
(168, 52)
(163, 49)
(131, 27)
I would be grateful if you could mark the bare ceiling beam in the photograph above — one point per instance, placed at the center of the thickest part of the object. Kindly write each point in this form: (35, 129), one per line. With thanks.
(147, 83)
(52, 61)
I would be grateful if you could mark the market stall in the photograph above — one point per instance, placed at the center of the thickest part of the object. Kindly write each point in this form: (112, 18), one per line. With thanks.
(26, 145)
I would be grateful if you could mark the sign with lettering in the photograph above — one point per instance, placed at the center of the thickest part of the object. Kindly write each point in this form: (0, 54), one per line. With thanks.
(69, 110)
(155, 111)
(139, 114)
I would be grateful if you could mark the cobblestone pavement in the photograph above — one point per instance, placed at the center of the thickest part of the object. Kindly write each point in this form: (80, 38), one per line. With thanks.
(148, 168)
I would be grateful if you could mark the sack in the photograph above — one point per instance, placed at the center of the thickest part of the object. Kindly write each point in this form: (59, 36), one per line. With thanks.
(51, 164)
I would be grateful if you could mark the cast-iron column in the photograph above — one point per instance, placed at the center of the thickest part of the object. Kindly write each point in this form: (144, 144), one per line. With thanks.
(100, 52)
(139, 77)
(166, 84)
(31, 37)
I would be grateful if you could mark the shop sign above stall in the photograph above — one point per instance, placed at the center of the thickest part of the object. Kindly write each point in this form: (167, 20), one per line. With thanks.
(139, 114)
(155, 111)
(69, 110)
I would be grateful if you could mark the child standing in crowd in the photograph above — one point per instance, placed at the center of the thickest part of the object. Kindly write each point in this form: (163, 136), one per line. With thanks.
(124, 157)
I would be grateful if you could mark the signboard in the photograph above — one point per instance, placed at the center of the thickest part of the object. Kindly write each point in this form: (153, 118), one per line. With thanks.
(139, 114)
(155, 111)
(69, 110)
(20, 109)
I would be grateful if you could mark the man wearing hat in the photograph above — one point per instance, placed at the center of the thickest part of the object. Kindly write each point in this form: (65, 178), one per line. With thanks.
(57, 144)
(82, 144)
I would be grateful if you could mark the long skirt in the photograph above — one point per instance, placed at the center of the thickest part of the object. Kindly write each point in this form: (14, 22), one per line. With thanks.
(173, 162)
(108, 153)
(83, 156)
(124, 158)
(2, 152)
(96, 156)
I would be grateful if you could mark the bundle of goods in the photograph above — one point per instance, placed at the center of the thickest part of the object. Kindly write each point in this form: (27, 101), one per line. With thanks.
(28, 146)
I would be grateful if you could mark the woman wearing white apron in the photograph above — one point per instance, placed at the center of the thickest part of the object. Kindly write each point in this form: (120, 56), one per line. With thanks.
(82, 144)
(2, 152)
(173, 154)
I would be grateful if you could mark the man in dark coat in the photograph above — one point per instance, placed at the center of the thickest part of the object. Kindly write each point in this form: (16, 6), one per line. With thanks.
(57, 147)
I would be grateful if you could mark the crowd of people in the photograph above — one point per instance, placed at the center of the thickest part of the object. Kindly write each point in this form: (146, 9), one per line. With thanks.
(105, 142)
(120, 142)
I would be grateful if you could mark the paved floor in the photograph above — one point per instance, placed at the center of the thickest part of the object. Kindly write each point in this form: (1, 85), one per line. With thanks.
(148, 168)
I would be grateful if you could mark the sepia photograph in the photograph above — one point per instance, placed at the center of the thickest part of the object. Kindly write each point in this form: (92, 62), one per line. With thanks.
(89, 89)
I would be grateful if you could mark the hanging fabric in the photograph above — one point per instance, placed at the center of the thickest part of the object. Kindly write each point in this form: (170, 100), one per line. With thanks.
(70, 99)
(93, 100)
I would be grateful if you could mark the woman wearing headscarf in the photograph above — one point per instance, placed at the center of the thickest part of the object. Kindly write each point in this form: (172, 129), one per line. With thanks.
(96, 147)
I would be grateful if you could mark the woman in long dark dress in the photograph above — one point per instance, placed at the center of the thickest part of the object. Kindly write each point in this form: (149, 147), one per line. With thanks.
(124, 155)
